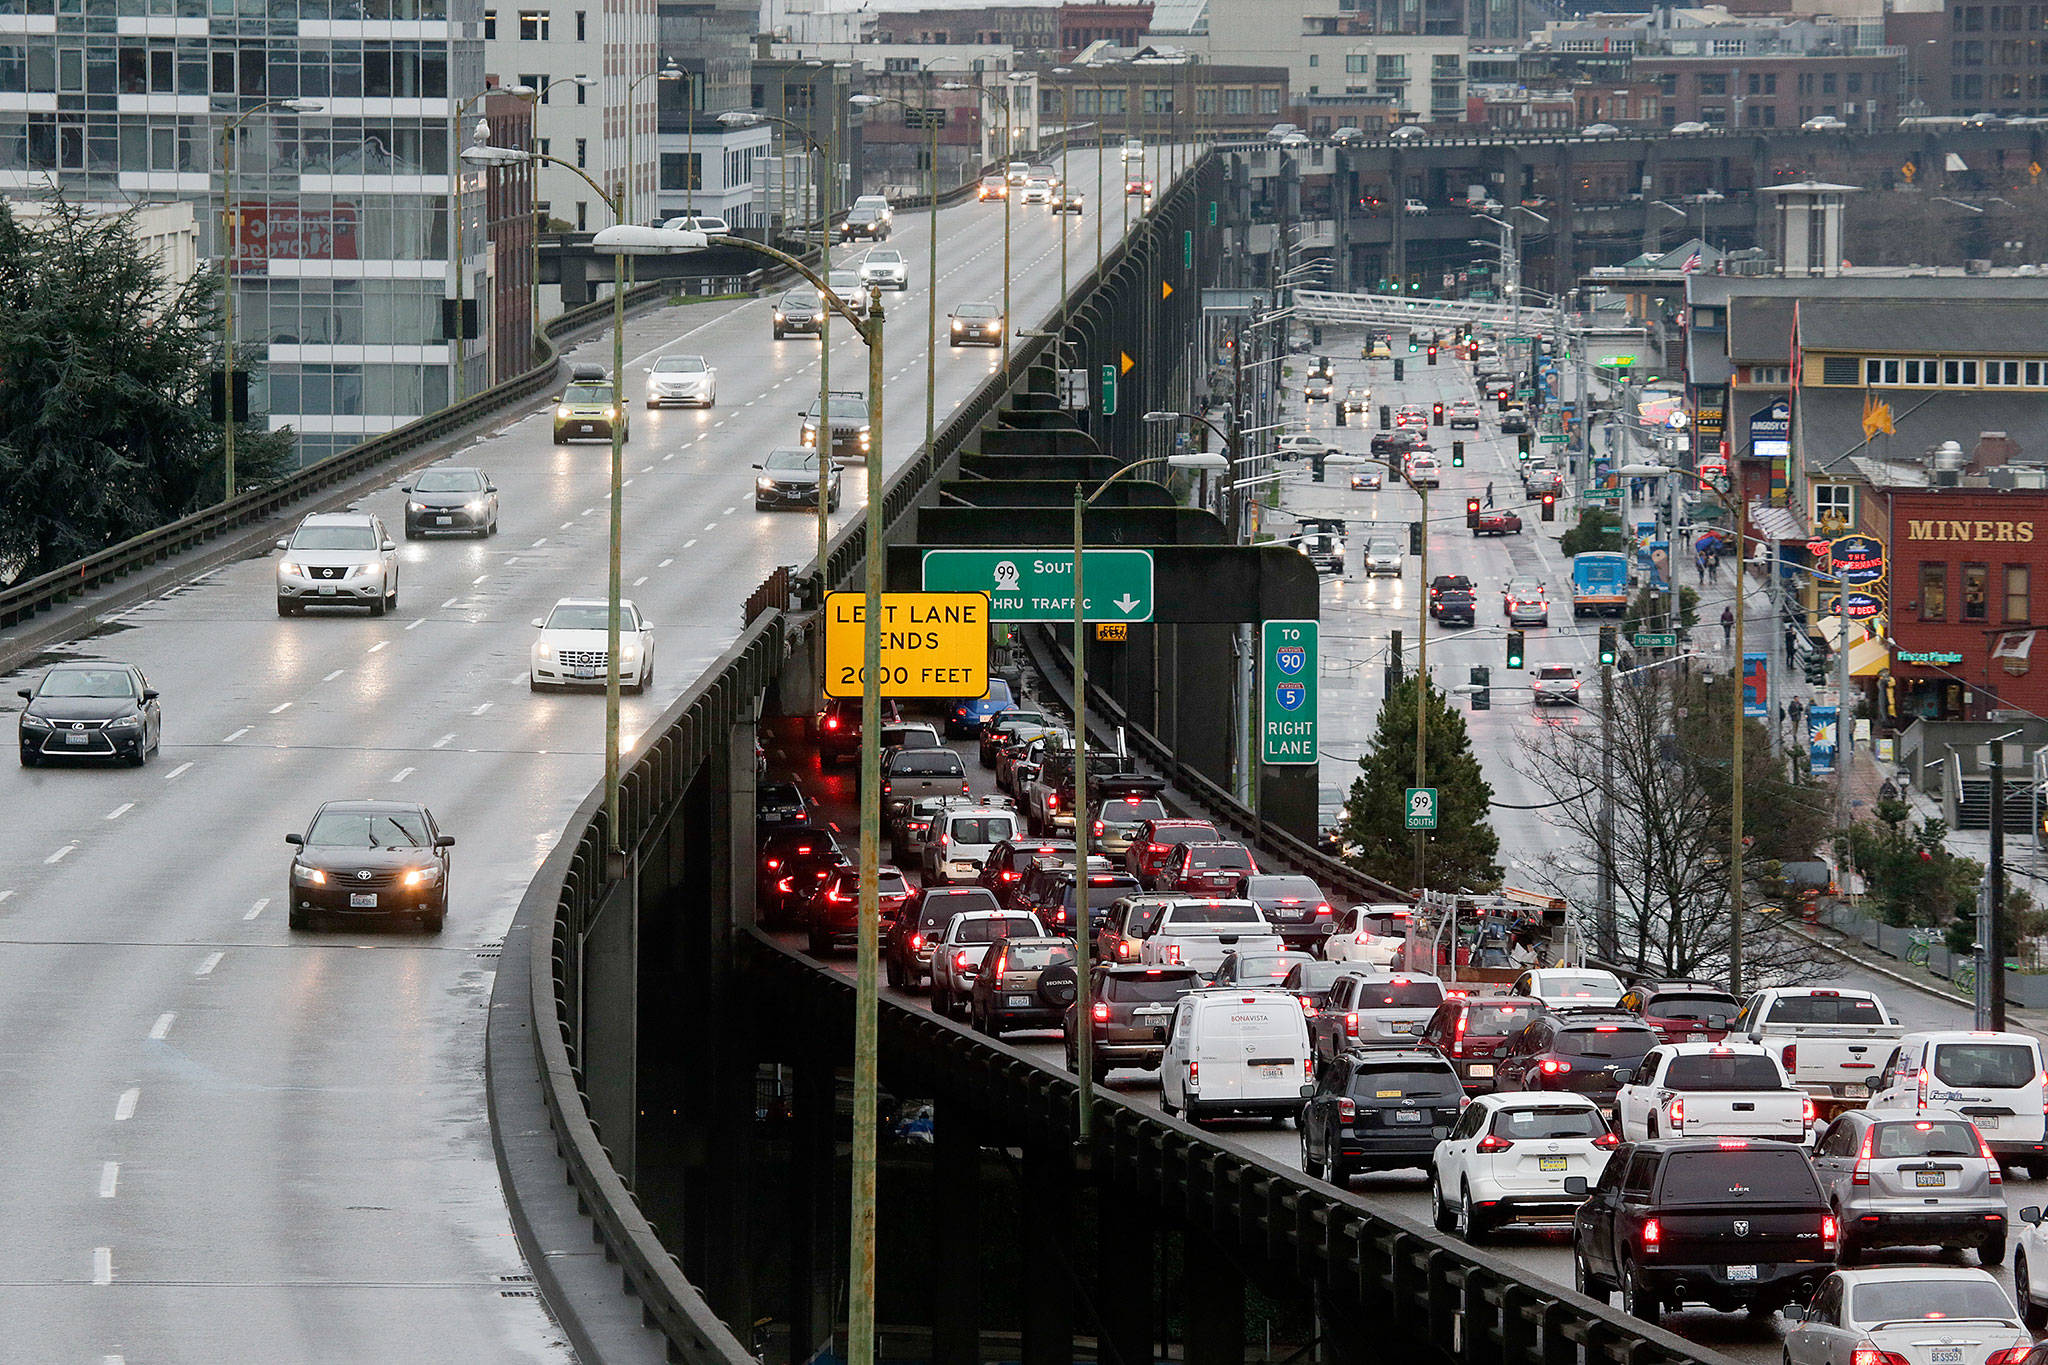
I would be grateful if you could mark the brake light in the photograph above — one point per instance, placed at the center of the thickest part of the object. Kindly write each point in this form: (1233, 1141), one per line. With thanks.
(1806, 1111)
(1790, 1056)
(1101, 1012)
(774, 863)
(1123, 948)
(916, 942)
(1733, 1144)
(1830, 1230)
(1553, 1067)
(831, 722)
(1607, 1142)
(1095, 827)
(1860, 1175)
(1920, 1100)
(1308, 1071)
(960, 962)
(1606, 1028)
(1997, 1176)
(1052, 801)
(963, 789)
(1194, 1075)
(1347, 1110)
(1351, 1023)
(1653, 1236)
(1173, 954)
(2011, 1355)
(1458, 1036)
(836, 897)
(786, 884)
(885, 788)
(1678, 1112)
(1871, 1355)
(1490, 1143)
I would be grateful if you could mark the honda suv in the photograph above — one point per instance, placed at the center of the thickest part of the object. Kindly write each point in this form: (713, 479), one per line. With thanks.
(1015, 989)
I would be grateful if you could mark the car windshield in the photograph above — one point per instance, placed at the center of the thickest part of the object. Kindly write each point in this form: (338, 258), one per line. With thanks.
(1926, 1137)
(796, 300)
(1282, 888)
(1182, 834)
(1400, 993)
(1551, 1121)
(1764, 1173)
(448, 481)
(1314, 976)
(87, 682)
(680, 364)
(1036, 957)
(1723, 1071)
(369, 829)
(1495, 1021)
(1268, 966)
(1141, 916)
(1827, 1009)
(1701, 1008)
(995, 927)
(590, 616)
(926, 763)
(850, 407)
(889, 257)
(1406, 1081)
(1215, 912)
(1921, 1299)
(1219, 856)
(1604, 1040)
(1151, 988)
(977, 311)
(777, 795)
(792, 460)
(942, 906)
(981, 829)
(1580, 986)
(1997, 1066)
(335, 537)
(1524, 587)
(584, 394)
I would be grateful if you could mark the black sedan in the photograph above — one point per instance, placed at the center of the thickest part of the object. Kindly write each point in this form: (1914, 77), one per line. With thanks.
(451, 501)
(976, 324)
(370, 858)
(789, 478)
(102, 710)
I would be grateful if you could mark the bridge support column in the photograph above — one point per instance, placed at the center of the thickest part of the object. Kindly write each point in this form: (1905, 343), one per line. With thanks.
(956, 1245)
(1214, 1302)
(812, 1232)
(1126, 1299)
(1048, 1201)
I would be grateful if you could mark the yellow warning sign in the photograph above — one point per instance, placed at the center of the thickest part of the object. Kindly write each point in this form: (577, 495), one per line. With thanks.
(934, 644)
(1908, 170)
(1165, 290)
(1124, 362)
(1111, 632)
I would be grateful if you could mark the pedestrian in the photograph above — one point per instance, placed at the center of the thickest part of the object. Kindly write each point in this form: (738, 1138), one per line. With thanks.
(1791, 646)
(1699, 566)
(1798, 720)
(1489, 493)
(1727, 627)
(1714, 565)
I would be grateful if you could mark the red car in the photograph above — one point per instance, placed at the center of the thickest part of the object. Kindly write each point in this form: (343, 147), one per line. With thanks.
(1470, 1032)
(1205, 869)
(1155, 841)
(833, 912)
(1497, 524)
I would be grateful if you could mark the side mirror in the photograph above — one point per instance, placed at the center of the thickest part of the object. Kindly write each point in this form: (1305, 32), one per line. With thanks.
(2031, 1215)
(388, 545)
(24, 693)
(646, 624)
(537, 623)
(405, 488)
(445, 841)
(1625, 1076)
(282, 543)
(149, 694)
(295, 840)
(492, 488)
(764, 467)
(1575, 1184)
(1793, 1312)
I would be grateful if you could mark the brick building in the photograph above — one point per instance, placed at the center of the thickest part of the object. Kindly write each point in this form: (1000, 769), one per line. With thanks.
(1968, 58)
(510, 228)
(1027, 28)
(1121, 25)
(1774, 90)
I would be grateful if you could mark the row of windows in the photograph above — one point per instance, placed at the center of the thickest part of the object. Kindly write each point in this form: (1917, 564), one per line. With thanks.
(358, 390)
(536, 26)
(1930, 373)
(1997, 52)
(1997, 18)
(1766, 82)
(277, 68)
(285, 311)
(49, 142)
(284, 11)
(1975, 602)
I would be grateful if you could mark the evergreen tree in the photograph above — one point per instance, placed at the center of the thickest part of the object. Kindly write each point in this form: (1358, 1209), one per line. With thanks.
(1459, 852)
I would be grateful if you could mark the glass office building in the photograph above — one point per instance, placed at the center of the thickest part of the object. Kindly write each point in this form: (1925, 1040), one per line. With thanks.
(343, 255)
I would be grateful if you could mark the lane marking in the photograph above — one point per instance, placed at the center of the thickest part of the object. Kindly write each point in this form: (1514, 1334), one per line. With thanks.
(61, 854)
(586, 512)
(207, 964)
(649, 469)
(566, 526)
(6, 896)
(120, 810)
(453, 600)
(124, 1107)
(102, 1265)
(401, 774)
(110, 1177)
(712, 525)
(482, 576)
(280, 707)
(666, 562)
(487, 706)
(625, 483)
(177, 772)
(257, 908)
(338, 672)
(415, 625)
(729, 511)
(161, 1029)
(236, 735)
(688, 543)
(544, 540)
(443, 740)
(379, 645)
(638, 581)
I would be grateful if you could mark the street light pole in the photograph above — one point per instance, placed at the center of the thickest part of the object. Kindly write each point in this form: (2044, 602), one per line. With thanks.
(1735, 786)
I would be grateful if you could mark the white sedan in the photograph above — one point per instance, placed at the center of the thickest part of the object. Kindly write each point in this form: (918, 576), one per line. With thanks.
(1508, 1159)
(572, 647)
(682, 379)
(885, 268)
(1912, 1314)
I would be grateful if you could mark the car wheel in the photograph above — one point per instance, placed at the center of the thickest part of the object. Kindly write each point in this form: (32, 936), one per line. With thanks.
(940, 1005)
(1585, 1281)
(1636, 1299)
(391, 598)
(2031, 1312)
(1471, 1223)
(378, 608)
(832, 505)
(1335, 1171)
(285, 608)
(1992, 1251)
(1440, 1215)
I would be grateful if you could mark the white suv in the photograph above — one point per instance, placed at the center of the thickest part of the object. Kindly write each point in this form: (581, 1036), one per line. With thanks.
(1508, 1159)
(956, 957)
(338, 559)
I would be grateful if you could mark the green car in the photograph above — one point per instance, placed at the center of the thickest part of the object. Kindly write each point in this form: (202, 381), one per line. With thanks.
(589, 406)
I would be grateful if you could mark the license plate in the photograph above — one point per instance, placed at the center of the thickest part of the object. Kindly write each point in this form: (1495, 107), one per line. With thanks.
(589, 428)
(1945, 1355)
(1739, 1273)
(327, 590)
(584, 672)
(1550, 1163)
(1407, 1116)
(362, 900)
(1986, 1123)
(1272, 1073)
(1401, 1028)
(1482, 1069)
(444, 521)
(1929, 1180)
(1018, 1001)
(1856, 1092)
(76, 739)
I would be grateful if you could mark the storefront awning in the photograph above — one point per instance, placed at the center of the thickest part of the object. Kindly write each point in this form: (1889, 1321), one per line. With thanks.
(1869, 655)
(1776, 523)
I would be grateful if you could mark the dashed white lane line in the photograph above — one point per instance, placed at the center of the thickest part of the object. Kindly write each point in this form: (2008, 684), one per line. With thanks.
(538, 543)
(711, 526)
(110, 1178)
(727, 512)
(61, 854)
(443, 741)
(236, 735)
(520, 677)
(567, 526)
(478, 579)
(114, 1360)
(416, 624)
(688, 543)
(381, 644)
(638, 581)
(161, 1029)
(481, 709)
(124, 1107)
(588, 511)
(280, 708)
(332, 676)
(626, 483)
(257, 908)
(6, 896)
(102, 1265)
(120, 810)
(649, 469)
(449, 603)
(670, 456)
(401, 774)
(177, 772)
(207, 964)
(666, 562)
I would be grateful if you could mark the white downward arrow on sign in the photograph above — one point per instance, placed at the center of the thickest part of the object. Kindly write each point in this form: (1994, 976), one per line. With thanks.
(1127, 604)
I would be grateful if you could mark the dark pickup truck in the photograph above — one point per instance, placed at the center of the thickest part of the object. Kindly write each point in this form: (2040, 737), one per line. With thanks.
(1728, 1223)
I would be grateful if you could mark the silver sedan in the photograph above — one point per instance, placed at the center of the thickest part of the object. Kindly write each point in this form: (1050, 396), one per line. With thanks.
(1910, 1314)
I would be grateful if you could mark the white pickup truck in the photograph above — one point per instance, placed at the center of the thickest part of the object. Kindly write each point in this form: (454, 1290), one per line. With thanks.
(1197, 933)
(1831, 1041)
(1716, 1090)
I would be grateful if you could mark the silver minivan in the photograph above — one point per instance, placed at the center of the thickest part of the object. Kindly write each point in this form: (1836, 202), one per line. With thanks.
(1897, 1179)
(961, 840)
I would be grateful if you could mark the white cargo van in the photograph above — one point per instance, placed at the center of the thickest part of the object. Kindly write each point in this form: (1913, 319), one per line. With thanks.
(1236, 1051)
(961, 840)
(1992, 1079)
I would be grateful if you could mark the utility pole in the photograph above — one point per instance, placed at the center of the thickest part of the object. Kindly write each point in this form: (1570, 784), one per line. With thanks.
(1606, 933)
(1993, 974)
(1735, 788)
(1422, 680)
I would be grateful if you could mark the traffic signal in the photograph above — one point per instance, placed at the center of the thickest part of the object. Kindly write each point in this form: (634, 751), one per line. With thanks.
(1457, 454)
(1816, 669)
(1522, 443)
(1482, 699)
(1610, 637)
(1436, 414)
(1432, 355)
(1514, 649)
(1399, 365)
(1315, 334)
(1472, 513)
(1415, 538)
(1550, 507)
(1387, 415)
(1315, 464)
(1413, 344)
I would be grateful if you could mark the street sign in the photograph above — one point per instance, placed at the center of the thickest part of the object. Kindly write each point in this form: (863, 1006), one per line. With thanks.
(1650, 639)
(1111, 632)
(1421, 808)
(1553, 438)
(1109, 390)
(934, 644)
(1037, 585)
(1287, 687)
(1187, 249)
(1520, 341)
(1602, 493)
(1858, 560)
(1074, 389)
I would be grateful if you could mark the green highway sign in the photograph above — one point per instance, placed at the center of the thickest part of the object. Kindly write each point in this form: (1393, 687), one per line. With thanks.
(1553, 438)
(1421, 808)
(1615, 362)
(1108, 390)
(1287, 691)
(1038, 585)
(1650, 639)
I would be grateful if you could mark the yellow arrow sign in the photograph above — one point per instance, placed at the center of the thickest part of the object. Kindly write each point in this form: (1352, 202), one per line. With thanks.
(1126, 362)
(1165, 290)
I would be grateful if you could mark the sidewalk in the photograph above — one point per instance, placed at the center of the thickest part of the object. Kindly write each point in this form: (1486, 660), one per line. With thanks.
(1841, 946)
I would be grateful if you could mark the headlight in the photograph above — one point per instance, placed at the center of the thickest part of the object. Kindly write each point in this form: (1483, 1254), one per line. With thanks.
(628, 653)
(415, 507)
(765, 484)
(420, 876)
(362, 570)
(778, 315)
(611, 414)
(562, 412)
(33, 722)
(125, 722)
(956, 324)
(475, 505)
(311, 875)
(288, 567)
(544, 651)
